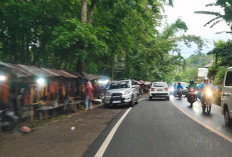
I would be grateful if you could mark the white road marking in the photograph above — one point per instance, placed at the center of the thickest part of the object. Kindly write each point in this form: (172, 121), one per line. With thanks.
(105, 144)
(142, 98)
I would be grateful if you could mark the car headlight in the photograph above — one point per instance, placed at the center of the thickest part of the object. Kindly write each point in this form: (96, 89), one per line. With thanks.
(127, 92)
(108, 94)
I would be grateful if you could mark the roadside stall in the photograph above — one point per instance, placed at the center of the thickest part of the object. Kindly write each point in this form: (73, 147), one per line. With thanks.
(99, 83)
(69, 93)
(147, 85)
(142, 87)
(36, 92)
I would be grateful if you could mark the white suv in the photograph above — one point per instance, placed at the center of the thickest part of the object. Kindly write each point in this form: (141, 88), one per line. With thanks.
(121, 92)
(226, 103)
(159, 90)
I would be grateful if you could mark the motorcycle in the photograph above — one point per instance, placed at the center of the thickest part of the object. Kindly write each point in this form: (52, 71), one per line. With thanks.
(7, 120)
(207, 100)
(192, 95)
(179, 93)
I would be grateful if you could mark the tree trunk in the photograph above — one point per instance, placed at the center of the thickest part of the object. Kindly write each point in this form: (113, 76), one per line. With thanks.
(80, 66)
(93, 4)
(80, 63)
(84, 11)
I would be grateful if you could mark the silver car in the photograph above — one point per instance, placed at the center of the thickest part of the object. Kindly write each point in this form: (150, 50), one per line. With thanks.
(121, 92)
(226, 102)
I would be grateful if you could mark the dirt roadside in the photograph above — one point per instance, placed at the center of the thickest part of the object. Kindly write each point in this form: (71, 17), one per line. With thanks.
(56, 139)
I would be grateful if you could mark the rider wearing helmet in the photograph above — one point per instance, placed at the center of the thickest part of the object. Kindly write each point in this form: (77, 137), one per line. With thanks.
(179, 87)
(192, 85)
(204, 85)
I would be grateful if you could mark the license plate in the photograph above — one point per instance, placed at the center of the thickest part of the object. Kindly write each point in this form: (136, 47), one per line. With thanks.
(116, 101)
(159, 89)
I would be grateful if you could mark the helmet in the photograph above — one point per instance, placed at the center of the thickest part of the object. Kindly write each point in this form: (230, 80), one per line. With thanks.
(206, 79)
(191, 81)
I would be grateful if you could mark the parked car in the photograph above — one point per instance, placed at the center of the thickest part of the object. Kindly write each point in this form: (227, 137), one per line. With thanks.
(121, 92)
(174, 90)
(159, 90)
(226, 102)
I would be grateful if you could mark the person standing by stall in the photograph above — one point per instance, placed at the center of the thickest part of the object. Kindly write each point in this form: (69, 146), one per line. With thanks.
(89, 96)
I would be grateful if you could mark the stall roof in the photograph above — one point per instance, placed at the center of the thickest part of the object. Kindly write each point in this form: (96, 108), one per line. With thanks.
(91, 76)
(50, 72)
(63, 73)
(29, 71)
(77, 74)
(19, 72)
(36, 71)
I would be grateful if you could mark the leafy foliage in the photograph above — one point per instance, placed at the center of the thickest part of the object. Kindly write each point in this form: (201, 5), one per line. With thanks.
(227, 16)
(50, 34)
(222, 51)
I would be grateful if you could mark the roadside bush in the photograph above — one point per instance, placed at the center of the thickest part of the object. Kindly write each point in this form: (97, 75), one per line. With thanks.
(218, 81)
(219, 77)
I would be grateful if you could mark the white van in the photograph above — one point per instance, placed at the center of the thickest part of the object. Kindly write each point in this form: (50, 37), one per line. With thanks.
(226, 103)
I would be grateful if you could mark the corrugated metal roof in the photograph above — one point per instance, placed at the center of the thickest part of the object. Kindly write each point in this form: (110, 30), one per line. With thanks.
(19, 72)
(5, 64)
(63, 73)
(35, 70)
(91, 76)
(29, 71)
(209, 64)
(50, 72)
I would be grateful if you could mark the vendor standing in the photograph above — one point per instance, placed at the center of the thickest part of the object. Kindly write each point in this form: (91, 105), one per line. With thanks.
(89, 96)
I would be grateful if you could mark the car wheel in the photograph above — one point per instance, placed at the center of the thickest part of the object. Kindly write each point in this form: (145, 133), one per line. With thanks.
(107, 105)
(167, 99)
(227, 117)
(150, 97)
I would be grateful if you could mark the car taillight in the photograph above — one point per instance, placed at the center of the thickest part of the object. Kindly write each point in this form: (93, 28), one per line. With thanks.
(166, 89)
(152, 89)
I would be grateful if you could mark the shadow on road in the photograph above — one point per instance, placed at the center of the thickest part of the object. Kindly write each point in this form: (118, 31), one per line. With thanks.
(118, 106)
(157, 100)
(207, 115)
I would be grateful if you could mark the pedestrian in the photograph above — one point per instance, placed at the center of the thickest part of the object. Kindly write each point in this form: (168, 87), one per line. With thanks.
(89, 96)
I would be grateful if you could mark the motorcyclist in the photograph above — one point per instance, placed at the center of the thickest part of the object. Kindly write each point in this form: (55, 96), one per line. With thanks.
(191, 85)
(204, 85)
(179, 87)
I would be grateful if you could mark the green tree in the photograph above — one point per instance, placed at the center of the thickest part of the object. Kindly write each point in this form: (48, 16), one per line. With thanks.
(226, 16)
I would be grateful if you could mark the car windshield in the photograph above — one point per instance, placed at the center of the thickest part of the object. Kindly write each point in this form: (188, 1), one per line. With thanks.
(184, 84)
(160, 84)
(117, 85)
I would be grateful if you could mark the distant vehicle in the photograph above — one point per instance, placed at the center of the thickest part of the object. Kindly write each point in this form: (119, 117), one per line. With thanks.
(226, 102)
(121, 92)
(174, 91)
(159, 90)
(180, 94)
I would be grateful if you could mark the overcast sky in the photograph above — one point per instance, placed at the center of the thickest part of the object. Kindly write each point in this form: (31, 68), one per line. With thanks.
(184, 9)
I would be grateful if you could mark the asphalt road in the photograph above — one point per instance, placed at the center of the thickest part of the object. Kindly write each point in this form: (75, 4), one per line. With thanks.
(215, 119)
(157, 128)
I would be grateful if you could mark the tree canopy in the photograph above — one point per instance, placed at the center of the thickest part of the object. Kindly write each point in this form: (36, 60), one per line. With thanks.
(60, 34)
